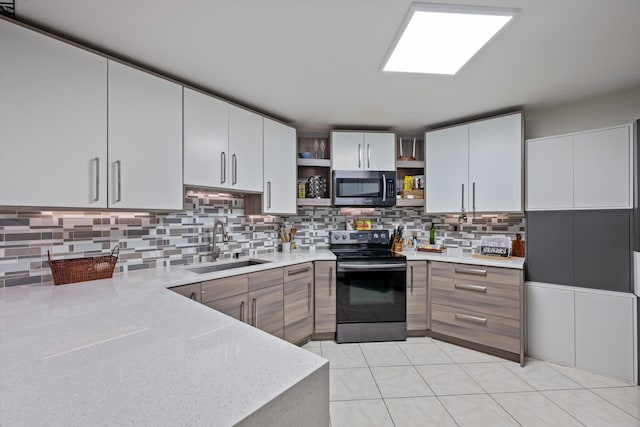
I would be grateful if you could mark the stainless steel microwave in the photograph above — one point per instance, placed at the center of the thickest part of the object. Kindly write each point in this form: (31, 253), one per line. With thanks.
(364, 188)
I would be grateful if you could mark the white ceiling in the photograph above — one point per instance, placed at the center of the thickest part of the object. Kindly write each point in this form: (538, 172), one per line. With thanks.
(317, 63)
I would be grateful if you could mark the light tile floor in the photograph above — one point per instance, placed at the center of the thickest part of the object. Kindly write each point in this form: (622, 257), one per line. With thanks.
(425, 382)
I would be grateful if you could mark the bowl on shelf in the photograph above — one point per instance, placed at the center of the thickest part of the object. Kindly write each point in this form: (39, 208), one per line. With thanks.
(305, 155)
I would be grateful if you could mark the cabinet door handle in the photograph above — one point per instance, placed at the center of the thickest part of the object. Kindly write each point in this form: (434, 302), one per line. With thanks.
(411, 279)
(223, 167)
(462, 197)
(255, 312)
(242, 311)
(97, 193)
(118, 180)
(193, 296)
(471, 319)
(474, 288)
(234, 169)
(368, 155)
(330, 279)
(359, 155)
(309, 298)
(384, 187)
(476, 271)
(298, 271)
(268, 194)
(474, 197)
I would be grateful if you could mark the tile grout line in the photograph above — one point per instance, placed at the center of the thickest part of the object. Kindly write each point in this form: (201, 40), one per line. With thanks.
(610, 402)
(377, 386)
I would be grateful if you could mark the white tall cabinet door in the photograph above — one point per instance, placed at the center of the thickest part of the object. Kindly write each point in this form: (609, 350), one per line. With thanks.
(206, 140)
(279, 194)
(602, 172)
(145, 140)
(495, 164)
(245, 150)
(604, 334)
(380, 151)
(53, 122)
(447, 169)
(550, 323)
(549, 168)
(347, 151)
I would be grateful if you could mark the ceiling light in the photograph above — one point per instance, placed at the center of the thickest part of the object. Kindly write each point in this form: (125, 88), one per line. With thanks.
(440, 39)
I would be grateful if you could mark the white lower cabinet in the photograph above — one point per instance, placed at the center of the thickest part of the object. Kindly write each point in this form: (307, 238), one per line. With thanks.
(588, 329)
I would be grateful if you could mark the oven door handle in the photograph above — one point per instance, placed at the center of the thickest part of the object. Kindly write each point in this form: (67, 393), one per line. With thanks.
(347, 266)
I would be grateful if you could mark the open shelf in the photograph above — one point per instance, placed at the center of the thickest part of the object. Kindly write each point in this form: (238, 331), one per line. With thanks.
(321, 163)
(313, 202)
(412, 164)
(409, 202)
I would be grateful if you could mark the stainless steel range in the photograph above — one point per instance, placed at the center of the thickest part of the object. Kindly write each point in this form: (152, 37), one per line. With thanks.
(371, 287)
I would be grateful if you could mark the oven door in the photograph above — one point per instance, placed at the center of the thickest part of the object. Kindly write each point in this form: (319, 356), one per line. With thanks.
(371, 291)
(363, 188)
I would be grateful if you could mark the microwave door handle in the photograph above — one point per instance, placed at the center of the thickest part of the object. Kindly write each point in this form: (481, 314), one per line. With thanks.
(384, 188)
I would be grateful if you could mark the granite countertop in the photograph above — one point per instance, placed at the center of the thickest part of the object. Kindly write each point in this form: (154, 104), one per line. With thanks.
(128, 351)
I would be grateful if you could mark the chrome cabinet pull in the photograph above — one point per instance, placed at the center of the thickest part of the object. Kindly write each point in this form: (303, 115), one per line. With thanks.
(268, 194)
(298, 271)
(474, 197)
(234, 169)
(255, 312)
(97, 193)
(330, 279)
(384, 187)
(118, 180)
(223, 167)
(369, 155)
(462, 197)
(474, 288)
(412, 280)
(193, 296)
(471, 319)
(309, 298)
(476, 271)
(359, 155)
(242, 311)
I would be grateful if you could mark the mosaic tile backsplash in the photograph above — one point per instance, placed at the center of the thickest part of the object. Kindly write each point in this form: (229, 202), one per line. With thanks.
(148, 240)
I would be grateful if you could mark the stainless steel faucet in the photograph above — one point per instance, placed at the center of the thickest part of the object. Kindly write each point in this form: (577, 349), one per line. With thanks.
(215, 251)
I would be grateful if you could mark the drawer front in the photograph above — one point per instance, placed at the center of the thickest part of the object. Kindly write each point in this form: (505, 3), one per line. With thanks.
(265, 279)
(298, 271)
(491, 298)
(479, 273)
(493, 331)
(222, 288)
(235, 306)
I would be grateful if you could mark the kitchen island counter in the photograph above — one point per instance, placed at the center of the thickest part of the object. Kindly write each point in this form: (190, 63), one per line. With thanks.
(128, 351)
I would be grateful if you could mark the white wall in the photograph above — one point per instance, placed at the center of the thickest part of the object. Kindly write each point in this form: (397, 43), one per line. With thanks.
(591, 113)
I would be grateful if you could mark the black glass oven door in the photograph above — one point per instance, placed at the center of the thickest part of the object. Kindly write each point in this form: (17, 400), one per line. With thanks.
(368, 293)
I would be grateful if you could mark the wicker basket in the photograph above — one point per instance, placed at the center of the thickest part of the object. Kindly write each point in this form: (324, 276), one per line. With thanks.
(82, 269)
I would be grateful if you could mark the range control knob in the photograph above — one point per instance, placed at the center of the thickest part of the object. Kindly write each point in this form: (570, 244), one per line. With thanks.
(375, 235)
(336, 237)
(344, 237)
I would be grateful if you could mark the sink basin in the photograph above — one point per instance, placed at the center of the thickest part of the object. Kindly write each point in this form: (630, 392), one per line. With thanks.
(226, 266)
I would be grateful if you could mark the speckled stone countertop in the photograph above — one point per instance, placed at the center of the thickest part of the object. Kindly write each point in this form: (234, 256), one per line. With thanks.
(460, 258)
(126, 351)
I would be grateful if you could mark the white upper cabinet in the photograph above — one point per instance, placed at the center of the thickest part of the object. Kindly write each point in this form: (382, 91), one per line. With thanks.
(550, 173)
(53, 122)
(380, 151)
(477, 166)
(586, 170)
(495, 164)
(352, 150)
(145, 140)
(245, 150)
(602, 169)
(447, 169)
(206, 140)
(279, 195)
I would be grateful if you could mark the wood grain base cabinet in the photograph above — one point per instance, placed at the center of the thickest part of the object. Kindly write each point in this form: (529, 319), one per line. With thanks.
(416, 296)
(192, 291)
(478, 304)
(325, 297)
(298, 302)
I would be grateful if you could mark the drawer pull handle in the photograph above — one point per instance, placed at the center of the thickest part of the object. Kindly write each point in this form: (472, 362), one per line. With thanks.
(472, 319)
(298, 271)
(474, 288)
(476, 271)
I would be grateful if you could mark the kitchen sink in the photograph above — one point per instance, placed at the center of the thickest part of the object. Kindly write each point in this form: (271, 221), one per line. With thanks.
(227, 266)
